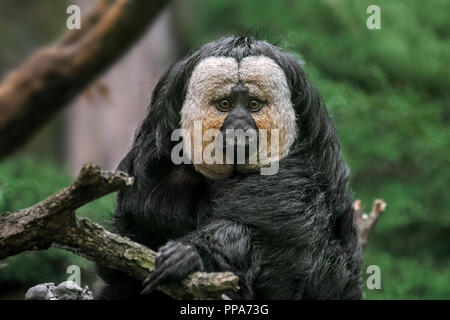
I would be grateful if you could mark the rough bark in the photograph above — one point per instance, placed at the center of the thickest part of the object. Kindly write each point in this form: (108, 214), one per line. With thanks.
(52, 76)
(52, 222)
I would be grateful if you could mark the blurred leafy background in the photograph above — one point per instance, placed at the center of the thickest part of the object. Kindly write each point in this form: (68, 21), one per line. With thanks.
(387, 90)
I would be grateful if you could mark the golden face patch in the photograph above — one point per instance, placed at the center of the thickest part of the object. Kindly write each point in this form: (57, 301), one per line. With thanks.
(213, 79)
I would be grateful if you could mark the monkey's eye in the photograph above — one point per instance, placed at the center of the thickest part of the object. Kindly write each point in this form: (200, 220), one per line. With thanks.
(255, 105)
(224, 105)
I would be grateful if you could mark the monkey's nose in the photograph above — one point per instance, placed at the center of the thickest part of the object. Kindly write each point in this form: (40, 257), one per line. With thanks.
(238, 122)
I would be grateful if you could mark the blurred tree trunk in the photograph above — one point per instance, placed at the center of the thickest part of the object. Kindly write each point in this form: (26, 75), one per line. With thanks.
(101, 121)
(51, 77)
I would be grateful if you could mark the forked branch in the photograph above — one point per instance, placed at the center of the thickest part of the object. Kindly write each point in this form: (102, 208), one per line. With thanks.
(52, 222)
(366, 222)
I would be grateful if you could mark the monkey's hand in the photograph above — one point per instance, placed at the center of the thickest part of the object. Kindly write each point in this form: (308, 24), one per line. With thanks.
(174, 261)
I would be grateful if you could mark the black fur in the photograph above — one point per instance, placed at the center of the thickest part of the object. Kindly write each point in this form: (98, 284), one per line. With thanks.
(287, 236)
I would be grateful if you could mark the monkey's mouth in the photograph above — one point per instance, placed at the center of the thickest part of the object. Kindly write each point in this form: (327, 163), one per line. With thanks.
(240, 150)
(231, 156)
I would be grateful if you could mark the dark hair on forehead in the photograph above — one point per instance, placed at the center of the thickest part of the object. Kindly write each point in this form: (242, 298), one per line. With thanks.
(237, 47)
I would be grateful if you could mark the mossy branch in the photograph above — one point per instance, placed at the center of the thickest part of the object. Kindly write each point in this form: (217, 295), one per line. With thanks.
(52, 222)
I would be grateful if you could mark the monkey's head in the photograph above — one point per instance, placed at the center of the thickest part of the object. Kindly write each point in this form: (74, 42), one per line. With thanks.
(247, 96)
(237, 90)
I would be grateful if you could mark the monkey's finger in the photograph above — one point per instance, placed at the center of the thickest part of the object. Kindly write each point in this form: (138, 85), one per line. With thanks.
(177, 268)
(151, 278)
(170, 272)
(169, 247)
(154, 282)
(161, 273)
(164, 253)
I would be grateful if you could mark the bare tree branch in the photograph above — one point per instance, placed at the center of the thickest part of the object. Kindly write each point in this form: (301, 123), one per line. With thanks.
(366, 222)
(52, 222)
(52, 76)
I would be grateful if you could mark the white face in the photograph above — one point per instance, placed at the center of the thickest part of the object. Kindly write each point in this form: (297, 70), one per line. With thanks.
(214, 78)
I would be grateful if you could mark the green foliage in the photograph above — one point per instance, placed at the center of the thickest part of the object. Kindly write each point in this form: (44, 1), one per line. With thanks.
(407, 278)
(24, 182)
(388, 92)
